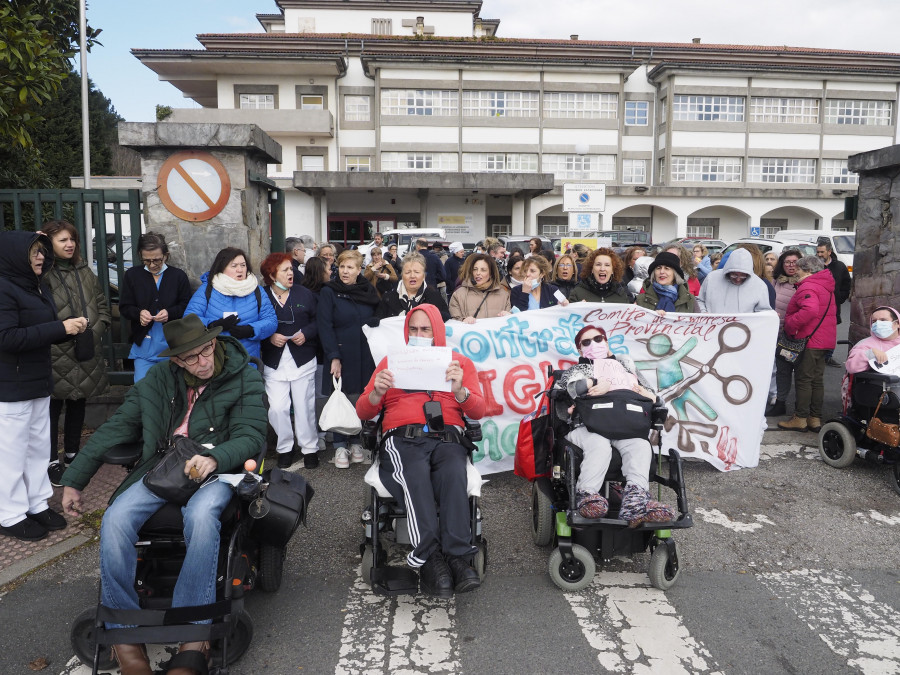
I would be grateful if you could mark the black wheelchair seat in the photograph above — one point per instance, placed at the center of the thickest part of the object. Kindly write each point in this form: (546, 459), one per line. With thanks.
(868, 388)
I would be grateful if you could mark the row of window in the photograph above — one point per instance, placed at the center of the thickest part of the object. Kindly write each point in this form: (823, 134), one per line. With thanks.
(603, 167)
(583, 105)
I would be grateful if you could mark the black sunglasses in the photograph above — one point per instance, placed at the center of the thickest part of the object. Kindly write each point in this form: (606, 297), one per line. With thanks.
(596, 338)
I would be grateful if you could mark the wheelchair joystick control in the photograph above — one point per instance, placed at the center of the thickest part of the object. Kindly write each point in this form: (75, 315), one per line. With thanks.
(250, 465)
(249, 487)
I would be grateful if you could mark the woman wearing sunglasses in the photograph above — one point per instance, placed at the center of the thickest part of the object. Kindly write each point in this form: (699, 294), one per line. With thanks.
(597, 372)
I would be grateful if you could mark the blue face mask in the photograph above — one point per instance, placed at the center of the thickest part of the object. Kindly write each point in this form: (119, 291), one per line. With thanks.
(281, 285)
(882, 329)
(416, 341)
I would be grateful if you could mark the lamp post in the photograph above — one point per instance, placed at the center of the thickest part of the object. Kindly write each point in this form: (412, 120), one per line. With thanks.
(85, 130)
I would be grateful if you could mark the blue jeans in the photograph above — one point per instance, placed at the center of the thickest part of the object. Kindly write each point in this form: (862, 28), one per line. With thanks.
(196, 583)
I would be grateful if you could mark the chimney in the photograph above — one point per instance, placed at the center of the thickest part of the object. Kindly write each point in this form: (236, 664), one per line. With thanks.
(696, 41)
(573, 37)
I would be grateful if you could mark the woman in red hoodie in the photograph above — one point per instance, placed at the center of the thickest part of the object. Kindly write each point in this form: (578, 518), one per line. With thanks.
(425, 467)
(812, 314)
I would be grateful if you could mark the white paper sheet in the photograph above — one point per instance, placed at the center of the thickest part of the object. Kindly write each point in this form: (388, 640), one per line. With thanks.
(892, 367)
(422, 368)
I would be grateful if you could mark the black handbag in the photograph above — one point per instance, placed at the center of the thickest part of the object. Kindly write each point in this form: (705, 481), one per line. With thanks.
(84, 342)
(617, 415)
(791, 349)
(167, 478)
(284, 507)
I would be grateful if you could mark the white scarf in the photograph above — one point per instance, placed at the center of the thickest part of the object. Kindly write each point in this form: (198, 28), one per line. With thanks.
(227, 285)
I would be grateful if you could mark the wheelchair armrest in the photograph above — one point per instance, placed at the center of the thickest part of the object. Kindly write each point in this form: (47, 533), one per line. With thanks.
(123, 454)
(369, 434)
(473, 430)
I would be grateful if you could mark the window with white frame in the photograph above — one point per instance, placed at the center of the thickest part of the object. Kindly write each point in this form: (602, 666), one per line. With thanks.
(312, 163)
(661, 178)
(784, 110)
(580, 167)
(499, 162)
(358, 163)
(637, 113)
(381, 27)
(836, 171)
(770, 227)
(581, 105)
(701, 231)
(501, 229)
(311, 102)
(706, 169)
(634, 171)
(426, 102)
(847, 111)
(708, 108)
(257, 101)
(419, 161)
(781, 170)
(500, 103)
(554, 230)
(356, 108)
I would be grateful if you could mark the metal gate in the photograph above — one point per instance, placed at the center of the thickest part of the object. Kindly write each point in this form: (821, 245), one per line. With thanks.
(116, 219)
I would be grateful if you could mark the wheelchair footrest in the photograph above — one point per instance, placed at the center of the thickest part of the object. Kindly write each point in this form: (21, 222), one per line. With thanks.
(389, 580)
(683, 522)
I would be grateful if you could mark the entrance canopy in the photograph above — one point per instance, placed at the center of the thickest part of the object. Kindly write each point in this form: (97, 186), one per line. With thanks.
(523, 185)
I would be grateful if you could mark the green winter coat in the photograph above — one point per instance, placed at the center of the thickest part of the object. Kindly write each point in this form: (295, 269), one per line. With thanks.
(685, 302)
(229, 414)
(74, 379)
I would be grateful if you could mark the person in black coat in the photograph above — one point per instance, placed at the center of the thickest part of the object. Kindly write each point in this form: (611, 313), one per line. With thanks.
(411, 291)
(842, 285)
(535, 292)
(28, 326)
(434, 268)
(150, 296)
(452, 266)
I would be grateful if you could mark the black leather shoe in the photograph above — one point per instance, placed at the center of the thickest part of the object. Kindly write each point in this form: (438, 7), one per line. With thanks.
(285, 459)
(465, 578)
(834, 364)
(311, 460)
(26, 529)
(777, 409)
(48, 519)
(435, 577)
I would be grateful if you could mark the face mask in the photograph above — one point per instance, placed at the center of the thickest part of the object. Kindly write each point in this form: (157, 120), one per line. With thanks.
(882, 329)
(535, 283)
(281, 286)
(416, 341)
(596, 351)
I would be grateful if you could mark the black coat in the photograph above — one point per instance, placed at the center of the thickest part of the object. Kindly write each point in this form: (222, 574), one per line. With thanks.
(139, 292)
(28, 321)
(842, 283)
(391, 305)
(434, 268)
(298, 313)
(519, 298)
(340, 322)
(451, 272)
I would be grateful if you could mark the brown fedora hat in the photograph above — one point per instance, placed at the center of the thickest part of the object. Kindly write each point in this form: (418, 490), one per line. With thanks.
(186, 334)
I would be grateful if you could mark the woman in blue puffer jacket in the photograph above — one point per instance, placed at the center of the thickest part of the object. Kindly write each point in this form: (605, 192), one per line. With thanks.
(229, 296)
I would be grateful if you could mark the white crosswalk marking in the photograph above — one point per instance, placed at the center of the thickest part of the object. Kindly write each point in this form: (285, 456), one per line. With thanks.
(844, 615)
(716, 517)
(635, 629)
(410, 634)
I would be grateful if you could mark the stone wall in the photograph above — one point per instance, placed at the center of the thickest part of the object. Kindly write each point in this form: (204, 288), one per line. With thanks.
(876, 263)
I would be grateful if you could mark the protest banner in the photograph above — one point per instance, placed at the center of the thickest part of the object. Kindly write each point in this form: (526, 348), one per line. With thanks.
(712, 370)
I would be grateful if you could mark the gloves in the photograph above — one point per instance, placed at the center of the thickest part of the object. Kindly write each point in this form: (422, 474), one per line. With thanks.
(241, 332)
(227, 323)
(373, 322)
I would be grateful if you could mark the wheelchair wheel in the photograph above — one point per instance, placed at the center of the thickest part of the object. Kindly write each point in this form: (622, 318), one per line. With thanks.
(895, 478)
(479, 562)
(541, 516)
(663, 571)
(82, 638)
(271, 567)
(573, 575)
(240, 637)
(837, 445)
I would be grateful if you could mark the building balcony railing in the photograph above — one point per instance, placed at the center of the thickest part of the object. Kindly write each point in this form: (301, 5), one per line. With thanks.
(315, 123)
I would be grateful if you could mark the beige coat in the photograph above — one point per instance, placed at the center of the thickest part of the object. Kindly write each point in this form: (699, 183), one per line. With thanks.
(466, 300)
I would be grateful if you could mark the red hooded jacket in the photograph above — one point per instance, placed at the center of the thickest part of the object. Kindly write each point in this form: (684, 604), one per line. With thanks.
(403, 407)
(806, 309)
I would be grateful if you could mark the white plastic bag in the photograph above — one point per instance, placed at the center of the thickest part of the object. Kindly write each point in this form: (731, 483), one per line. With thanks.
(339, 414)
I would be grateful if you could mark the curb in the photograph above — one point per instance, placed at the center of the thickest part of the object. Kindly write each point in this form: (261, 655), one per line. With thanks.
(49, 554)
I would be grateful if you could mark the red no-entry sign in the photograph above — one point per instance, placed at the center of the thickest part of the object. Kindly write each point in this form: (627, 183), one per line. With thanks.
(194, 185)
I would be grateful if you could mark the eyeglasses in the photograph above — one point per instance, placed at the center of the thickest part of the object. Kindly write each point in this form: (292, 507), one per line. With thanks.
(152, 261)
(193, 358)
(596, 338)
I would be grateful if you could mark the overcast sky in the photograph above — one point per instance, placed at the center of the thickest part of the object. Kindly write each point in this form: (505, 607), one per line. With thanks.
(867, 25)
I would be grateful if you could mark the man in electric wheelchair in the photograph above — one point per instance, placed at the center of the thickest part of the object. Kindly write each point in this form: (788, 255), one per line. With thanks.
(207, 392)
(598, 372)
(423, 458)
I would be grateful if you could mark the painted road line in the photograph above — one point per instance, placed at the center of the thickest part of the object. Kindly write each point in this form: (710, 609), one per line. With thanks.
(404, 635)
(844, 615)
(716, 517)
(635, 629)
(879, 517)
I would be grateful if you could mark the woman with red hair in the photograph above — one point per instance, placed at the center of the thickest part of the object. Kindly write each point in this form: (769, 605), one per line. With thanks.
(601, 279)
(289, 358)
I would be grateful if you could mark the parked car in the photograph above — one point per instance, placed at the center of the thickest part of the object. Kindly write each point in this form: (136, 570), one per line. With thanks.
(842, 243)
(621, 238)
(776, 245)
(405, 238)
(712, 245)
(517, 243)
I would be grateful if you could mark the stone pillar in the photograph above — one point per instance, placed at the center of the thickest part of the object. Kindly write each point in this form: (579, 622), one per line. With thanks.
(244, 150)
(876, 262)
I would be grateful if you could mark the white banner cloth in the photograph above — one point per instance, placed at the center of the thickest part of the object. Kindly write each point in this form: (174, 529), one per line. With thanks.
(712, 370)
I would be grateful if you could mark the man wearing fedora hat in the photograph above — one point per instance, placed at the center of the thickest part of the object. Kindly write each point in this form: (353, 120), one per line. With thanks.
(208, 392)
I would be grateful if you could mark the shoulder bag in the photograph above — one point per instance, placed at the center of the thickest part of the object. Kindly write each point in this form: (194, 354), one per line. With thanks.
(167, 478)
(790, 348)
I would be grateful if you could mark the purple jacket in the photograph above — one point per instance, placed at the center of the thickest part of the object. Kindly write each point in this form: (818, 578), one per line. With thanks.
(807, 307)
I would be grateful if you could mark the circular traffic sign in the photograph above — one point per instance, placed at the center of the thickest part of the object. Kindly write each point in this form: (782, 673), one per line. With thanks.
(194, 185)
(584, 198)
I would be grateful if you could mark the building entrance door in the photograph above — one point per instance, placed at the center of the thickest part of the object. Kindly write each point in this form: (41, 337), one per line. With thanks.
(356, 230)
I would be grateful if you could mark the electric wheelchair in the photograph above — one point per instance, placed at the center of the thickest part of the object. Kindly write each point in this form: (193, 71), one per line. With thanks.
(581, 541)
(868, 427)
(257, 524)
(386, 524)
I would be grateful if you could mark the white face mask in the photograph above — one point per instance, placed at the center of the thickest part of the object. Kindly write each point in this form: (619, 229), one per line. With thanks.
(416, 341)
(882, 329)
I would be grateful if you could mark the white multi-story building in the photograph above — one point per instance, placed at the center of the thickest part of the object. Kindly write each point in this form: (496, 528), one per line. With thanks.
(409, 113)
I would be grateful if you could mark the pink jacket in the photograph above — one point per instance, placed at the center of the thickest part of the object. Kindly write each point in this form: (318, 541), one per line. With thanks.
(784, 291)
(858, 360)
(806, 309)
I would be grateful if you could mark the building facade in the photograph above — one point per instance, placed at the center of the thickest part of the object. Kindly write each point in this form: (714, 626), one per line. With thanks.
(415, 113)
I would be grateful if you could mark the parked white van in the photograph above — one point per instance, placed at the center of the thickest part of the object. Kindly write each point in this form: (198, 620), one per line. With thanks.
(404, 239)
(843, 244)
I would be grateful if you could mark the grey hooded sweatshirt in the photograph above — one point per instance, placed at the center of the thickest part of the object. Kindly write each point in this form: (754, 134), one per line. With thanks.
(641, 271)
(719, 295)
